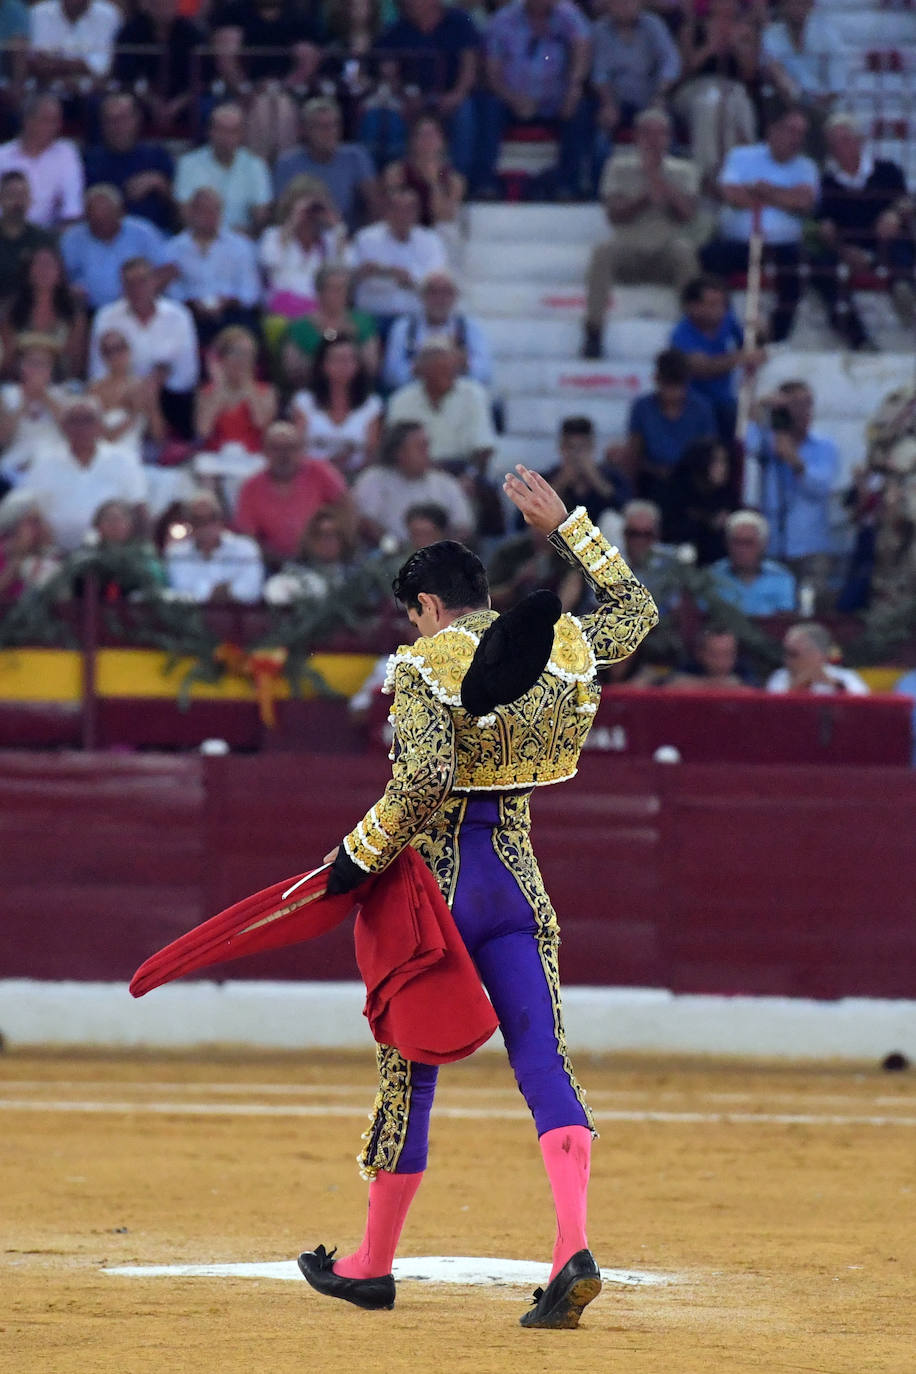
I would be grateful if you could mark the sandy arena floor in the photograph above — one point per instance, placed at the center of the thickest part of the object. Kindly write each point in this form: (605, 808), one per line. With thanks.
(778, 1202)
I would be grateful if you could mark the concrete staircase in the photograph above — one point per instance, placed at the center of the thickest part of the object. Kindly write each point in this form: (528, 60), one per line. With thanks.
(525, 266)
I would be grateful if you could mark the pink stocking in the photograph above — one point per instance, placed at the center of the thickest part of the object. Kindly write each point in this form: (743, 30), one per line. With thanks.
(390, 1196)
(567, 1155)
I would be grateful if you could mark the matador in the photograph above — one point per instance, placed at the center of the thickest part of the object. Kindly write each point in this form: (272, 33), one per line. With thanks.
(459, 794)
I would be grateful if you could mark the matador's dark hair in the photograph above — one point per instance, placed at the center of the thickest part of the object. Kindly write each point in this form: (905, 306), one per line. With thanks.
(446, 569)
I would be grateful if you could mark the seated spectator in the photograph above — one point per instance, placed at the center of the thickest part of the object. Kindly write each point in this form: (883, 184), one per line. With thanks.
(581, 481)
(651, 200)
(892, 567)
(131, 414)
(162, 339)
(210, 564)
(70, 481)
(806, 47)
(392, 257)
(276, 505)
(699, 499)
(30, 409)
(865, 217)
(330, 318)
(634, 65)
(165, 86)
(643, 550)
(715, 668)
(27, 556)
(799, 470)
(727, 84)
(453, 410)
(807, 649)
(712, 341)
(141, 171)
(527, 562)
(95, 250)
(426, 523)
(14, 56)
(50, 163)
(537, 60)
(345, 169)
(240, 176)
(18, 238)
(44, 304)
(663, 424)
(437, 315)
(215, 270)
(341, 413)
(233, 407)
(745, 577)
(71, 43)
(436, 47)
(326, 558)
(775, 179)
(308, 236)
(114, 530)
(265, 54)
(404, 477)
(426, 169)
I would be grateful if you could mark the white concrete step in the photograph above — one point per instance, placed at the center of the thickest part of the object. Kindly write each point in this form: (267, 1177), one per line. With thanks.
(515, 223)
(628, 341)
(572, 378)
(565, 300)
(544, 414)
(538, 451)
(529, 261)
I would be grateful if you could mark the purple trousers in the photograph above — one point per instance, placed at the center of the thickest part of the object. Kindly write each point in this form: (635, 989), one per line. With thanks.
(517, 961)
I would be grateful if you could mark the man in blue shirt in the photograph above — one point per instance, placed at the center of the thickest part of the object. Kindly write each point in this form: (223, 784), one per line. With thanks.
(141, 171)
(95, 250)
(773, 179)
(713, 341)
(663, 423)
(798, 472)
(437, 46)
(755, 584)
(214, 270)
(437, 315)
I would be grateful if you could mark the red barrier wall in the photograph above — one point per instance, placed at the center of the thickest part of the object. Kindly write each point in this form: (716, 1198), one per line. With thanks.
(699, 878)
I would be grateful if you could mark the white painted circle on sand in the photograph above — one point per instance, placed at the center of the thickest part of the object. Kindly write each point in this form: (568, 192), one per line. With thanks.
(458, 1269)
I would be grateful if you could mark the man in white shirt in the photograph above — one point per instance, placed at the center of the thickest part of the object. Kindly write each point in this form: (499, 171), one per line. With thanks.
(392, 257)
(71, 479)
(453, 410)
(211, 564)
(807, 46)
(806, 648)
(776, 181)
(51, 164)
(72, 41)
(162, 340)
(404, 477)
(240, 176)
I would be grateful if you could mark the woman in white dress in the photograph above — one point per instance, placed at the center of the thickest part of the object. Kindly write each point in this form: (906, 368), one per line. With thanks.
(340, 416)
(131, 414)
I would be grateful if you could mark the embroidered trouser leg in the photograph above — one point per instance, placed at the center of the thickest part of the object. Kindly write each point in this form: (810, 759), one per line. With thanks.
(517, 962)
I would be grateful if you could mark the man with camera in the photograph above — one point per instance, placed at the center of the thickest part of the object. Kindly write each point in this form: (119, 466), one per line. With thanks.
(796, 471)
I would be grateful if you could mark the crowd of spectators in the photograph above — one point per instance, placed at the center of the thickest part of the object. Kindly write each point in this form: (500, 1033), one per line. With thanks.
(230, 288)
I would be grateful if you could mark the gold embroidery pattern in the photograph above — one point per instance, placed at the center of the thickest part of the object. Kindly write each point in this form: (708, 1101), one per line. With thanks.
(626, 612)
(437, 844)
(512, 845)
(421, 777)
(389, 1116)
(548, 949)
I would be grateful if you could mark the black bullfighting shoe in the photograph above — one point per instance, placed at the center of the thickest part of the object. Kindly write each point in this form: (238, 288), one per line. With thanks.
(560, 1305)
(317, 1268)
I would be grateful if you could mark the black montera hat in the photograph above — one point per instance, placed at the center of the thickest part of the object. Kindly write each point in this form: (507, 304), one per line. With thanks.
(512, 654)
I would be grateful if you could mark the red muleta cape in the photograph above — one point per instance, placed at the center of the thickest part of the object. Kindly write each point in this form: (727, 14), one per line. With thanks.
(423, 993)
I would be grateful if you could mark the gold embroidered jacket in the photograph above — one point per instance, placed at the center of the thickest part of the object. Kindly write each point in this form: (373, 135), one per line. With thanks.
(439, 749)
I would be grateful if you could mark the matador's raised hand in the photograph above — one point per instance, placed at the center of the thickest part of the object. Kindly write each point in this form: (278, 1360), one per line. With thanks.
(539, 504)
